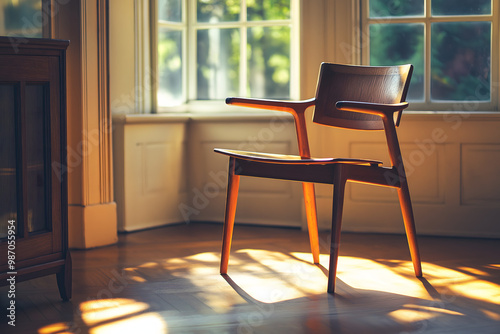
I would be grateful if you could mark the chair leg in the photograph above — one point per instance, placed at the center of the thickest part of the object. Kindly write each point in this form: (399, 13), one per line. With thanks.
(403, 193)
(338, 206)
(409, 222)
(231, 200)
(312, 219)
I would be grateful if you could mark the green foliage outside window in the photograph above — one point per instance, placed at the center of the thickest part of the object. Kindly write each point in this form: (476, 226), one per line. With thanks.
(220, 30)
(460, 53)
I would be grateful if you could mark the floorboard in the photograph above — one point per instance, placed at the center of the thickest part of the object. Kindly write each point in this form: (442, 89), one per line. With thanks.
(166, 280)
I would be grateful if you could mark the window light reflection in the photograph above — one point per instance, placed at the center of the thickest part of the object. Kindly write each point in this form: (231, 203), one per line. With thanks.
(101, 310)
(474, 271)
(413, 313)
(57, 328)
(150, 323)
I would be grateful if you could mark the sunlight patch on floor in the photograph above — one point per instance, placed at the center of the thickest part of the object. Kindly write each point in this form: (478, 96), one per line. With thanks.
(455, 283)
(368, 274)
(222, 302)
(120, 315)
(273, 276)
(57, 328)
(96, 311)
(114, 315)
(413, 313)
(490, 314)
(150, 323)
(474, 271)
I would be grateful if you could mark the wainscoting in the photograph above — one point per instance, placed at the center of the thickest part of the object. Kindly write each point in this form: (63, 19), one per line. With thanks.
(166, 172)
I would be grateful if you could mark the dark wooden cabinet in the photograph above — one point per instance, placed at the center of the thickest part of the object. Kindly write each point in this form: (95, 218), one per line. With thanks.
(33, 182)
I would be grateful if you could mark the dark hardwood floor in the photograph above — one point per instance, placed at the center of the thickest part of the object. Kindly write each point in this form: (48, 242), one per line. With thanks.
(167, 281)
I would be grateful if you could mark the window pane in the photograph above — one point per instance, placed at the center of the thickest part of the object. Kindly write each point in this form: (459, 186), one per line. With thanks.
(8, 177)
(170, 10)
(460, 64)
(387, 8)
(398, 44)
(218, 60)
(461, 7)
(259, 10)
(218, 10)
(170, 67)
(21, 18)
(269, 62)
(36, 145)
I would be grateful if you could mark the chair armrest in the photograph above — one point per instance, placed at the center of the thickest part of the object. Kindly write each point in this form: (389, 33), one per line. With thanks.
(277, 105)
(380, 109)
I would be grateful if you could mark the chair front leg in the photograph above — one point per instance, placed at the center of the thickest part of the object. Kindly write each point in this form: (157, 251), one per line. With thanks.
(338, 206)
(231, 200)
(312, 219)
(409, 222)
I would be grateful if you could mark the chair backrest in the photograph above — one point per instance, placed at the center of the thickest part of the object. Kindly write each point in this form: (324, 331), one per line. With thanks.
(376, 84)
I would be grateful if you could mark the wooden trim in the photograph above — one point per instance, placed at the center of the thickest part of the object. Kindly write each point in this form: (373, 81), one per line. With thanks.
(106, 165)
(35, 271)
(84, 100)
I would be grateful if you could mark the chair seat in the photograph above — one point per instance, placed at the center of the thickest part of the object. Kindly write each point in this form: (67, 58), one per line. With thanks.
(292, 159)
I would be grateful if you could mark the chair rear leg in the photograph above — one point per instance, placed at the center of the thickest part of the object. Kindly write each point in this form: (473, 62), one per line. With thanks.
(409, 222)
(338, 206)
(231, 200)
(312, 219)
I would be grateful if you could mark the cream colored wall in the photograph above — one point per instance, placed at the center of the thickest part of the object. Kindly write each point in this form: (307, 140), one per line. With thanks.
(150, 177)
(260, 201)
(453, 159)
(122, 89)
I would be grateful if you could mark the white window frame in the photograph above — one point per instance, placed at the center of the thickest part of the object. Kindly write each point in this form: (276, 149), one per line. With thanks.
(427, 20)
(189, 32)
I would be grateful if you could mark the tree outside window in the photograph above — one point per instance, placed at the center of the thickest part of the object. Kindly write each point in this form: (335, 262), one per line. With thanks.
(212, 49)
(450, 46)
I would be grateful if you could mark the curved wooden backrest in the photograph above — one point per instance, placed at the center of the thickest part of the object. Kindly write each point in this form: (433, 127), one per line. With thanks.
(376, 84)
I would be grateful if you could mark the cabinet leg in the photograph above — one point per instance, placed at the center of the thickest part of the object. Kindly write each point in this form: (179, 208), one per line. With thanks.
(64, 279)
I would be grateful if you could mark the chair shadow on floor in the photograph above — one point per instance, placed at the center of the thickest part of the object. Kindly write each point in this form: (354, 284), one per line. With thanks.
(360, 310)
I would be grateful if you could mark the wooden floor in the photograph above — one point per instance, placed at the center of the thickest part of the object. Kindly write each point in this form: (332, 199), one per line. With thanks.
(167, 281)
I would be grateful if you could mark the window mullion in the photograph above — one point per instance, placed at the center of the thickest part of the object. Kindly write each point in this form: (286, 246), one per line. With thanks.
(191, 51)
(294, 50)
(427, 53)
(243, 49)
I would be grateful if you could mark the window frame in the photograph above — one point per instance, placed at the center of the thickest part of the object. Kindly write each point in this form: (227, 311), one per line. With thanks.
(189, 27)
(427, 20)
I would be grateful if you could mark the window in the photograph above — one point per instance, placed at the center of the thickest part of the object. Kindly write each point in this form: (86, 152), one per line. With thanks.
(25, 18)
(211, 49)
(453, 47)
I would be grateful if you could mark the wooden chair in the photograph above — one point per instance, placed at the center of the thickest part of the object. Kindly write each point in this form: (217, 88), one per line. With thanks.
(352, 97)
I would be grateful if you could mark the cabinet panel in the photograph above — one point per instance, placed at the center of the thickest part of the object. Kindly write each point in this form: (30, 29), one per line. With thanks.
(33, 194)
(37, 147)
(8, 189)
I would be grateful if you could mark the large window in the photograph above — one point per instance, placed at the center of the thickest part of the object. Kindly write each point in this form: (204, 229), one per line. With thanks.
(211, 49)
(453, 46)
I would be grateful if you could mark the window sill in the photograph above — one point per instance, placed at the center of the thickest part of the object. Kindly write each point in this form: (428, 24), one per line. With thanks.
(244, 115)
(151, 118)
(241, 114)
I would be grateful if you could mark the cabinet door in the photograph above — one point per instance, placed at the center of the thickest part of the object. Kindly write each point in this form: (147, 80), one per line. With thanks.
(31, 155)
